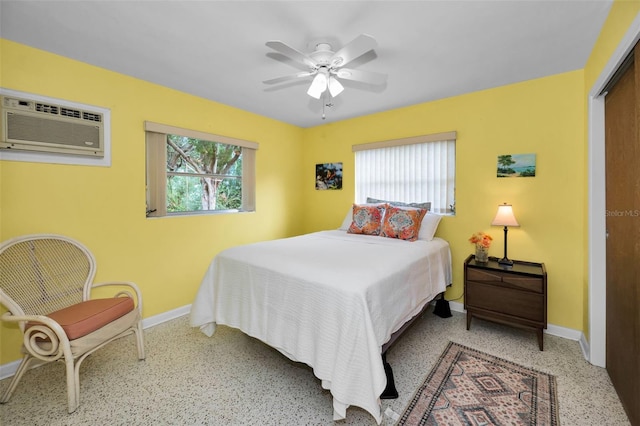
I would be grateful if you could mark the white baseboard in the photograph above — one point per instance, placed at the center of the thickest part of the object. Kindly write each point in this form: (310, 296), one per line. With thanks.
(554, 330)
(586, 348)
(165, 316)
(457, 307)
(9, 369)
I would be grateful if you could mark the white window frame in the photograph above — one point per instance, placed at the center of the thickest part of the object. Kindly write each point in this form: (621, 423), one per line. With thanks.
(156, 146)
(411, 170)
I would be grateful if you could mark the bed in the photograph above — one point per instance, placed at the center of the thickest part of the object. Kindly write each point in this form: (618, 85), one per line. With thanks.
(329, 299)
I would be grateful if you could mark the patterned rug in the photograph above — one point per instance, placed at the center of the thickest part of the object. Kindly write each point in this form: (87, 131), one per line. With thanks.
(468, 387)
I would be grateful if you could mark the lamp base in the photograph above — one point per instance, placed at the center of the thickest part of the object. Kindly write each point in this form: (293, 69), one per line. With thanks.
(505, 263)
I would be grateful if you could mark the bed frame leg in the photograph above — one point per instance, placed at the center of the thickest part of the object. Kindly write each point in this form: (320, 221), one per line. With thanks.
(442, 308)
(390, 391)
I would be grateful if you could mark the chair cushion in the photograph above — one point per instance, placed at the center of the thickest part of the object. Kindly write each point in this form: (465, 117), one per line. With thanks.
(85, 317)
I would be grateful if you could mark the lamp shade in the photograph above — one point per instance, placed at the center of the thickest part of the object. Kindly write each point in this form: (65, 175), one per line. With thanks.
(335, 88)
(504, 216)
(318, 85)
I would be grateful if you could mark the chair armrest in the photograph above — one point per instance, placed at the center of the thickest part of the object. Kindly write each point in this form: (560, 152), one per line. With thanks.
(41, 330)
(127, 284)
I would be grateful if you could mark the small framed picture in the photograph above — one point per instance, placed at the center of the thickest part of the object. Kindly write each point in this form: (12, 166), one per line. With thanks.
(516, 165)
(328, 176)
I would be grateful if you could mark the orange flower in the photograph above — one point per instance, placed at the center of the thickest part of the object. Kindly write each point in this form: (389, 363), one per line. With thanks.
(481, 239)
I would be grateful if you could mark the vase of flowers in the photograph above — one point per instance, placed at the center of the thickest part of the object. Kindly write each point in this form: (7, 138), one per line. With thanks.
(482, 242)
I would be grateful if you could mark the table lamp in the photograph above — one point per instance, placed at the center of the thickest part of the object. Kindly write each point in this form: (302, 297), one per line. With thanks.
(504, 217)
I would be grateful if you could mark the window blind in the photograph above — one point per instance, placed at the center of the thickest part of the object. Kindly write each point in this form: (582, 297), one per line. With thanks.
(415, 171)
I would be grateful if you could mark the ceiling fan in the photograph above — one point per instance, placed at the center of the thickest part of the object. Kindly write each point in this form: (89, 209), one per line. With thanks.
(326, 67)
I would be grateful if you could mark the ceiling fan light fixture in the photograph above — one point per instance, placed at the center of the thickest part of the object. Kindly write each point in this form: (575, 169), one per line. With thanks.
(335, 88)
(318, 85)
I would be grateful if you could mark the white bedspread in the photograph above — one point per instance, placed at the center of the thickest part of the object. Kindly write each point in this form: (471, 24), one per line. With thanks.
(328, 299)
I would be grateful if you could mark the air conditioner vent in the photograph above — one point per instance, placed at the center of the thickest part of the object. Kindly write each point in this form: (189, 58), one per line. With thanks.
(50, 109)
(91, 116)
(68, 112)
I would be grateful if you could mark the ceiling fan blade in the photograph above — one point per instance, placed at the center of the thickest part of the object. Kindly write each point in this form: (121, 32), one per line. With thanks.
(292, 53)
(369, 77)
(289, 77)
(354, 49)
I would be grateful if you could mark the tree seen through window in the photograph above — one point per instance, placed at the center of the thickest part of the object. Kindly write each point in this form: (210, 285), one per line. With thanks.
(203, 175)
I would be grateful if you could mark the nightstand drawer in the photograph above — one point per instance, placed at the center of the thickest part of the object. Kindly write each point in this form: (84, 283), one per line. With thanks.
(522, 304)
(508, 279)
(482, 275)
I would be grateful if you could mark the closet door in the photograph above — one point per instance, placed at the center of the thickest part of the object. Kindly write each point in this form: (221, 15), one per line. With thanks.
(622, 141)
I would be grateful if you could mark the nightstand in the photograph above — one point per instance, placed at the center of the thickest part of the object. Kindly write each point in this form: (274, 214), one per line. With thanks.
(514, 296)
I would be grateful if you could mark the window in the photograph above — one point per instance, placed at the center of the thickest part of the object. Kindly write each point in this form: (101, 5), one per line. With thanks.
(411, 170)
(191, 172)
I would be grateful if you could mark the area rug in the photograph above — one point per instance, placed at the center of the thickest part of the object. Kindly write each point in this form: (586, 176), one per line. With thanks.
(468, 387)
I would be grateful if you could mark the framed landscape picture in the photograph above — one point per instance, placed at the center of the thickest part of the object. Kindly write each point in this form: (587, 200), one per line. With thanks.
(328, 176)
(517, 165)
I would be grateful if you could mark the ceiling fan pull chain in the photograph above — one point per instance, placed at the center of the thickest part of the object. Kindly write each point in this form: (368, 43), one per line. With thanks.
(323, 104)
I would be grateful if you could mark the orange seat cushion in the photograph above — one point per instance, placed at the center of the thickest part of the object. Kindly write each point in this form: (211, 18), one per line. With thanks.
(85, 317)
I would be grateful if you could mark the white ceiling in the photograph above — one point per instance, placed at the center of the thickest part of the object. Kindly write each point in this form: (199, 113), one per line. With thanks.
(216, 49)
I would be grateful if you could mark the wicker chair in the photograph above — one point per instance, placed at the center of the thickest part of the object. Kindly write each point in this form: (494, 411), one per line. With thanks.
(45, 284)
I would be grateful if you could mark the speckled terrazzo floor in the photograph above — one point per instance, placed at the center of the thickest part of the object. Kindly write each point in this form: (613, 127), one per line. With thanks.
(231, 379)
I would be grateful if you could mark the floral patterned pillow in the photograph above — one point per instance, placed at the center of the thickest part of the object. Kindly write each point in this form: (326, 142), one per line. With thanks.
(367, 219)
(402, 223)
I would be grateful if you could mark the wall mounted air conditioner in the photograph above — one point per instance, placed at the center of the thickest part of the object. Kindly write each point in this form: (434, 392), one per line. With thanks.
(32, 125)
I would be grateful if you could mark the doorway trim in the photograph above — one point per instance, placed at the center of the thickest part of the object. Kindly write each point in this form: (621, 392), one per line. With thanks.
(597, 198)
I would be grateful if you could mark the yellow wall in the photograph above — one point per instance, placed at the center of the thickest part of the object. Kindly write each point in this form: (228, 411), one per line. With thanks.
(542, 116)
(105, 207)
(621, 15)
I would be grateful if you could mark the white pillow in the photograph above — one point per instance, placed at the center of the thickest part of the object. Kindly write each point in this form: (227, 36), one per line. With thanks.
(429, 226)
(346, 223)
